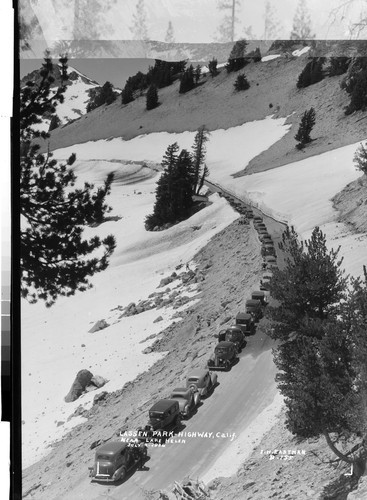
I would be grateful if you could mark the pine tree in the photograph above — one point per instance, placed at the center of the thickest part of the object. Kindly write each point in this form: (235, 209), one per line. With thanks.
(187, 82)
(311, 73)
(197, 74)
(212, 66)
(127, 94)
(358, 93)
(302, 23)
(309, 287)
(170, 37)
(360, 158)
(139, 27)
(241, 82)
(152, 97)
(198, 159)
(338, 65)
(308, 121)
(55, 257)
(174, 189)
(227, 29)
(237, 60)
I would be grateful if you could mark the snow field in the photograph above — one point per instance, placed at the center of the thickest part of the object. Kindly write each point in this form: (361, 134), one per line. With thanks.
(55, 341)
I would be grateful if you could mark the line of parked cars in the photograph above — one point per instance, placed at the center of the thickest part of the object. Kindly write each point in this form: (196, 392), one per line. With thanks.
(115, 459)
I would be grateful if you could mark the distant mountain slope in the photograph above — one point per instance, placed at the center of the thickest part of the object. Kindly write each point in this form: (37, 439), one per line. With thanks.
(76, 96)
(216, 105)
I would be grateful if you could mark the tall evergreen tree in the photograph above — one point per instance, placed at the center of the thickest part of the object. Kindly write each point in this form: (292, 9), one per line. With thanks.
(237, 60)
(241, 82)
(309, 287)
(152, 97)
(198, 158)
(170, 37)
(139, 28)
(308, 121)
(127, 94)
(302, 29)
(212, 65)
(311, 73)
(55, 257)
(187, 81)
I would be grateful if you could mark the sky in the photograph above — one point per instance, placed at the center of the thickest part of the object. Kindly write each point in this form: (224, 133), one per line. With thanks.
(192, 20)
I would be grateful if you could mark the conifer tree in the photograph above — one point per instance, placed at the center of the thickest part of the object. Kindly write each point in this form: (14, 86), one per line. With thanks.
(312, 73)
(302, 29)
(198, 158)
(127, 94)
(241, 82)
(55, 257)
(309, 287)
(139, 28)
(338, 65)
(212, 66)
(152, 97)
(187, 82)
(197, 74)
(360, 158)
(236, 60)
(169, 38)
(308, 121)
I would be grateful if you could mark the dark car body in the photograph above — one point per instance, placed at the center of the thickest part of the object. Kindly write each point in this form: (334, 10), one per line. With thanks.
(246, 322)
(115, 459)
(188, 400)
(202, 381)
(254, 308)
(225, 355)
(164, 416)
(233, 334)
(268, 249)
(260, 295)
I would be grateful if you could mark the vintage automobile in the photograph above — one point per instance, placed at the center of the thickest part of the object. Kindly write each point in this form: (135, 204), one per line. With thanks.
(258, 219)
(164, 416)
(254, 308)
(265, 280)
(249, 214)
(260, 295)
(270, 262)
(268, 249)
(265, 238)
(262, 231)
(188, 400)
(233, 334)
(202, 381)
(246, 322)
(225, 355)
(115, 459)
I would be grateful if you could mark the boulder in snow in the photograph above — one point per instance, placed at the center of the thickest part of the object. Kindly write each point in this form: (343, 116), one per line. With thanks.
(82, 380)
(100, 325)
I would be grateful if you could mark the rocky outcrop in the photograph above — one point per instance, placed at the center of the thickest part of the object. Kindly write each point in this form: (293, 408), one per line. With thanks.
(84, 381)
(99, 325)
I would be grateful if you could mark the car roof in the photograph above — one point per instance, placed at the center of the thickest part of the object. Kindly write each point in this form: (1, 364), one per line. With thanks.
(197, 373)
(224, 343)
(252, 302)
(180, 390)
(243, 315)
(163, 404)
(258, 292)
(111, 448)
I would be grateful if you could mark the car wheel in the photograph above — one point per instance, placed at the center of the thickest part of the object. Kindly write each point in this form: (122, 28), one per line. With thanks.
(121, 474)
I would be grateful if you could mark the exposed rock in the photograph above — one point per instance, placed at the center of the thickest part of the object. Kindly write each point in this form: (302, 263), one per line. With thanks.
(361, 492)
(98, 381)
(157, 320)
(100, 397)
(95, 444)
(83, 378)
(100, 325)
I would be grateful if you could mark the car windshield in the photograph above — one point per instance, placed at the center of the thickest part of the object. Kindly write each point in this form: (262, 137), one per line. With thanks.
(177, 395)
(154, 414)
(222, 350)
(193, 379)
(105, 457)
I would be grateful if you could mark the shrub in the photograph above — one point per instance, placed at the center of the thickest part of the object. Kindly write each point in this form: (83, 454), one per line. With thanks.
(241, 82)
